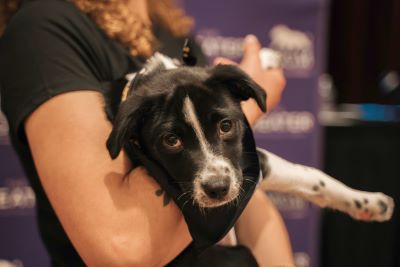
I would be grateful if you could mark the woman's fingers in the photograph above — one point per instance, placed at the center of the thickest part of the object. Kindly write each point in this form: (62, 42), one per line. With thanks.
(251, 58)
(272, 80)
(251, 54)
(224, 61)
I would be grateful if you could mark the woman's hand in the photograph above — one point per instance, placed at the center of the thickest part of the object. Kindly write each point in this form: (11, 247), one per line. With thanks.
(272, 80)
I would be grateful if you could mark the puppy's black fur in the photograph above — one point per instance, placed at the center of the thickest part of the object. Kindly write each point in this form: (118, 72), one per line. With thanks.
(155, 115)
(154, 109)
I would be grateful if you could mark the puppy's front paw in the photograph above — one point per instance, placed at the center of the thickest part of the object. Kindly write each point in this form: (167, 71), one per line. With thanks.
(370, 207)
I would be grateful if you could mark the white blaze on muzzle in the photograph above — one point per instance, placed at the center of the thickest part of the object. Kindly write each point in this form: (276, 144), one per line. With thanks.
(214, 167)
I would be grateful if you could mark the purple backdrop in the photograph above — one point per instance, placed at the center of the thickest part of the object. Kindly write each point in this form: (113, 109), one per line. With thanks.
(20, 244)
(294, 27)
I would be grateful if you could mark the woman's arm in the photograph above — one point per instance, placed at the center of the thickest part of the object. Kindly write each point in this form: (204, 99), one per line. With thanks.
(261, 227)
(263, 231)
(111, 219)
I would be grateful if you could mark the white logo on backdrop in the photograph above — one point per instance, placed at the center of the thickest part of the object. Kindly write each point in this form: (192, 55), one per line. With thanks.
(14, 263)
(296, 47)
(16, 197)
(214, 45)
(282, 121)
(301, 259)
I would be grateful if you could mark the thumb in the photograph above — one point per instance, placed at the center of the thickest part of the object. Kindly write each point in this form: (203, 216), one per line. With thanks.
(251, 51)
(224, 61)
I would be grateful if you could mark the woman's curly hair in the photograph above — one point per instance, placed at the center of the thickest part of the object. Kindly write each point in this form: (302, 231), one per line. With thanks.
(120, 23)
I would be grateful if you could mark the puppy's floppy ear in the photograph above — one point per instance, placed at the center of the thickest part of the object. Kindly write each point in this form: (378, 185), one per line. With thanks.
(126, 124)
(238, 83)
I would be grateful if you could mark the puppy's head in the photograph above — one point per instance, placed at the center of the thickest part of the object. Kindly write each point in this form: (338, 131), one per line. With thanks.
(190, 121)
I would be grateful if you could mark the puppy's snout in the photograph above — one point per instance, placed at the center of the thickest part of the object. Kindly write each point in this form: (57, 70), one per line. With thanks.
(216, 187)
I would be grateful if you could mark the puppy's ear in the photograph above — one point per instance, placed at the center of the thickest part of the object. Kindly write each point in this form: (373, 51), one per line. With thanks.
(239, 84)
(126, 124)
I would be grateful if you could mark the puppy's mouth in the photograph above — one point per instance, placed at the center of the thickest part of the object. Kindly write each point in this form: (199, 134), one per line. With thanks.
(215, 192)
(206, 202)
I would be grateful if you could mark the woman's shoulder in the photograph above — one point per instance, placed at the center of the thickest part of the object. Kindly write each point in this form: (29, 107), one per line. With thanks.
(47, 10)
(56, 49)
(50, 16)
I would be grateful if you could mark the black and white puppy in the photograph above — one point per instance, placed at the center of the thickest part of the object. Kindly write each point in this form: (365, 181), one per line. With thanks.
(189, 120)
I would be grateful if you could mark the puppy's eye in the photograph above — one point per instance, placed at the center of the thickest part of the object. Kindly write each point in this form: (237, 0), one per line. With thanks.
(172, 141)
(225, 126)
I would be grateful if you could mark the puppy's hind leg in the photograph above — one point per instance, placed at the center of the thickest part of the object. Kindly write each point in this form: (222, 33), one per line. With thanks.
(312, 184)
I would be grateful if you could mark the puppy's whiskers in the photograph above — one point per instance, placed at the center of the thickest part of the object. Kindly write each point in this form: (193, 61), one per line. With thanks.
(237, 202)
(249, 180)
(241, 190)
(246, 178)
(184, 193)
(202, 211)
(183, 206)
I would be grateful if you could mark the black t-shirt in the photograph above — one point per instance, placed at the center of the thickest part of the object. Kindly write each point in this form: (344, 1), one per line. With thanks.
(49, 48)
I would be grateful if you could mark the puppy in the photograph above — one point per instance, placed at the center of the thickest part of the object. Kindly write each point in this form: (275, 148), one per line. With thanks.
(189, 120)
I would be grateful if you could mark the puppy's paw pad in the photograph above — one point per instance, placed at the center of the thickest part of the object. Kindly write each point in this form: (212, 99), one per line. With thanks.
(365, 216)
(380, 206)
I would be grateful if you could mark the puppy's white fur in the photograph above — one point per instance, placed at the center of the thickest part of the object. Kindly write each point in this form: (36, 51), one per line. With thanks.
(213, 164)
(324, 191)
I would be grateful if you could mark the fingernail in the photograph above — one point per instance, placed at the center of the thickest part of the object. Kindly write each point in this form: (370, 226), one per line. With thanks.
(251, 38)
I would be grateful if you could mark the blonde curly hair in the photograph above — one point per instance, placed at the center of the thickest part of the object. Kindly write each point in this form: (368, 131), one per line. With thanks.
(120, 23)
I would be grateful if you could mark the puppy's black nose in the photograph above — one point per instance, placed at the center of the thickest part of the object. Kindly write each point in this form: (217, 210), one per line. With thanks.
(216, 187)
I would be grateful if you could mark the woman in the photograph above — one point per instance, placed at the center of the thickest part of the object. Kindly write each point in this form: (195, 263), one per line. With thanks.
(57, 58)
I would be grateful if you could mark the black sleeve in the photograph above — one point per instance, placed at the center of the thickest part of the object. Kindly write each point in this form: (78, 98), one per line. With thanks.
(48, 48)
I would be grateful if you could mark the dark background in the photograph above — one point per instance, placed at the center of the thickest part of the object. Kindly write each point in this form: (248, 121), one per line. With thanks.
(363, 45)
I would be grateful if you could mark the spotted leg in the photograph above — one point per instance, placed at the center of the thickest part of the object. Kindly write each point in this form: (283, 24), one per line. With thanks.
(280, 175)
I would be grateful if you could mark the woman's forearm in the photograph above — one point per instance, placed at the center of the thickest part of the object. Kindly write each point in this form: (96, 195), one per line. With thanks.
(110, 220)
(262, 229)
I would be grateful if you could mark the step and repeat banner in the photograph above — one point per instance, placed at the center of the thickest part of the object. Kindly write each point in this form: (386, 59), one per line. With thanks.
(296, 28)
(20, 244)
